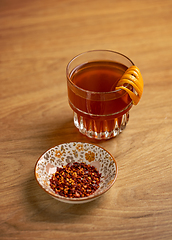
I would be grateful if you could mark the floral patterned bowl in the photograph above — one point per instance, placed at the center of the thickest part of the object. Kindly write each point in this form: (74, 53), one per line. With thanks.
(63, 154)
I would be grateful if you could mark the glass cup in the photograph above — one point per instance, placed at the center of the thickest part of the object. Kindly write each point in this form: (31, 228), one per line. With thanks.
(100, 112)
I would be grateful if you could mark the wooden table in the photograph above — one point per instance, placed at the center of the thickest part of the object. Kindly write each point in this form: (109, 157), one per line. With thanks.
(37, 40)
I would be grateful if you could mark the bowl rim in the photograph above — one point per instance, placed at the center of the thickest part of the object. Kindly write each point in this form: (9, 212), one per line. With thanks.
(82, 199)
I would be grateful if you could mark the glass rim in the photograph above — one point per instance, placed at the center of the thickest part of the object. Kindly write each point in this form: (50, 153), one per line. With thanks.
(91, 51)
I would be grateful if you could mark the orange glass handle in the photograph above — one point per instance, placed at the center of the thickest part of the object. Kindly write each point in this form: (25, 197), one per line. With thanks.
(133, 77)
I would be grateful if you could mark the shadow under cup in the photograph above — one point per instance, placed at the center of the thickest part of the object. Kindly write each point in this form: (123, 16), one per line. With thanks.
(98, 114)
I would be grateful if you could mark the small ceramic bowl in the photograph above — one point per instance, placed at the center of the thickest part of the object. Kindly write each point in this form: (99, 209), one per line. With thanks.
(63, 154)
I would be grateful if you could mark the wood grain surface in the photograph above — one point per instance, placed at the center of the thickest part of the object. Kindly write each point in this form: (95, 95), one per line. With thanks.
(37, 40)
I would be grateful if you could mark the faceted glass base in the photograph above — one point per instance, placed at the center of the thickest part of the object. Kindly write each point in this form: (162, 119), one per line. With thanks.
(101, 129)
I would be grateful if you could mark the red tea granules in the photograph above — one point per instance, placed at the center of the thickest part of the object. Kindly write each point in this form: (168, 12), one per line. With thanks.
(75, 180)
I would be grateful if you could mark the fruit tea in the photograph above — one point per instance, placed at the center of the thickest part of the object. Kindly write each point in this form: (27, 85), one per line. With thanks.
(99, 112)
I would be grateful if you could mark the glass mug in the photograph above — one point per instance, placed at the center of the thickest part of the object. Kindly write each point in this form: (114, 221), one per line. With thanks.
(100, 112)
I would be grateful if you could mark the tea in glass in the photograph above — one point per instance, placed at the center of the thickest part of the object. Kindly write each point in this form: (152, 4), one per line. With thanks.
(100, 112)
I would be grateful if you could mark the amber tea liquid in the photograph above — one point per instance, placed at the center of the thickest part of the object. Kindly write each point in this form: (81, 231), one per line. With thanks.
(98, 111)
(98, 76)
